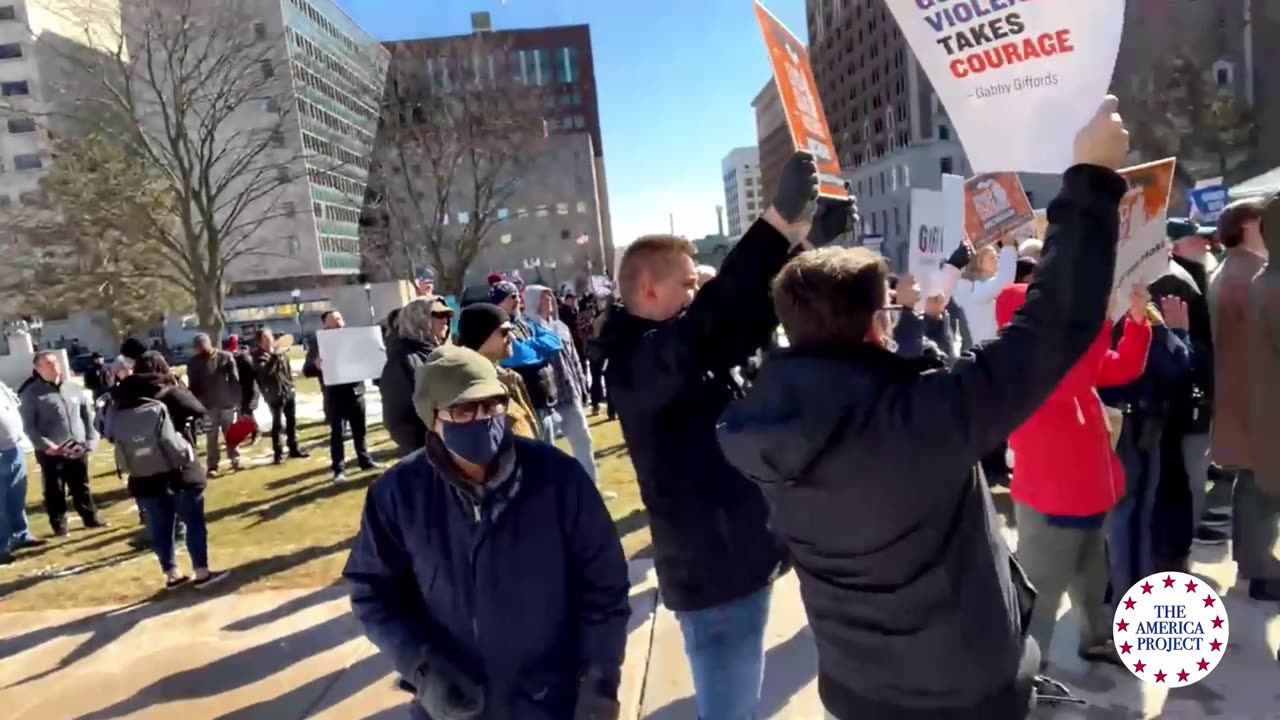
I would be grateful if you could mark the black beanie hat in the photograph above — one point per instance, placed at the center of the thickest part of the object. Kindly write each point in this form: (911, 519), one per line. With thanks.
(477, 322)
(132, 348)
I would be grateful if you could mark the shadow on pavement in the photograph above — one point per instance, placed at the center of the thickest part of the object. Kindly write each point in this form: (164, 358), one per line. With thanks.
(319, 596)
(637, 519)
(106, 627)
(788, 668)
(240, 669)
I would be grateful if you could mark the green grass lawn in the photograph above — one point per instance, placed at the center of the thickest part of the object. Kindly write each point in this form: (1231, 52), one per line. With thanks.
(285, 526)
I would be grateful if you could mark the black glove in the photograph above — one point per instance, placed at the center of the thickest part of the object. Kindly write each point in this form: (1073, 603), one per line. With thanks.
(961, 258)
(597, 696)
(446, 693)
(797, 186)
(831, 219)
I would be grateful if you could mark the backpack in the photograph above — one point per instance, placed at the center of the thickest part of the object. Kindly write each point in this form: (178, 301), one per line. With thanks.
(146, 442)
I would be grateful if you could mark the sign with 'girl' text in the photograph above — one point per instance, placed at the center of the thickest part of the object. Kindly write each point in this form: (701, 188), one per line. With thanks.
(1019, 78)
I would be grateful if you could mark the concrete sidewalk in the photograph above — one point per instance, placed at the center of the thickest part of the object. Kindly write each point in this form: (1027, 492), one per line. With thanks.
(293, 655)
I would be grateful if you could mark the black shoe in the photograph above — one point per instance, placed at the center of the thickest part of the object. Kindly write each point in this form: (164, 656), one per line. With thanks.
(1211, 536)
(31, 542)
(6, 559)
(278, 460)
(371, 465)
(60, 531)
(96, 524)
(179, 581)
(299, 454)
(1265, 590)
(1215, 518)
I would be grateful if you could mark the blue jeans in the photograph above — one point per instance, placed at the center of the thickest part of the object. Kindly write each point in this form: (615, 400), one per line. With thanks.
(161, 513)
(1131, 523)
(13, 500)
(571, 419)
(725, 645)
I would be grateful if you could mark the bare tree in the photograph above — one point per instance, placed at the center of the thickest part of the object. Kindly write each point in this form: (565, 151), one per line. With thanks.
(85, 243)
(462, 125)
(201, 95)
(1179, 109)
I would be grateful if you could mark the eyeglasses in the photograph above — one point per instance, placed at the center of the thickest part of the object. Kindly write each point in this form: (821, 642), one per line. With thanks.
(478, 409)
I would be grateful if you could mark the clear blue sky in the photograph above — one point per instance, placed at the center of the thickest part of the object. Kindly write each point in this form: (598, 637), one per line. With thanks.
(676, 79)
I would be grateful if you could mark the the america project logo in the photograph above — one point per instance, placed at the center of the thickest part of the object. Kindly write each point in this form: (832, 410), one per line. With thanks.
(1171, 629)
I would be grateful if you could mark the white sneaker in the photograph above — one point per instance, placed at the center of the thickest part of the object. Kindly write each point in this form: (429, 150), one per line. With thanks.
(608, 495)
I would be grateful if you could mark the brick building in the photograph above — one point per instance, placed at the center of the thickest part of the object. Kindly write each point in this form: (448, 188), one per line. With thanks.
(773, 138)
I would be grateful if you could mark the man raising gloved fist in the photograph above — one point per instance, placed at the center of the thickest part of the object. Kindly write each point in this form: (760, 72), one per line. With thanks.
(669, 347)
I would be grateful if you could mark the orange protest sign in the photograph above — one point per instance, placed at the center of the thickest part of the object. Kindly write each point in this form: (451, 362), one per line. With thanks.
(1142, 252)
(799, 94)
(995, 204)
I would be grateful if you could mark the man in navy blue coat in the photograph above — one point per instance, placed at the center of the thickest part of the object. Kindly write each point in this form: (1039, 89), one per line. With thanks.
(487, 567)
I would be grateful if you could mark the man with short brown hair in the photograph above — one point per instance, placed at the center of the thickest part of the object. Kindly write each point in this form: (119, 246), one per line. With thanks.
(867, 461)
(1254, 514)
(669, 357)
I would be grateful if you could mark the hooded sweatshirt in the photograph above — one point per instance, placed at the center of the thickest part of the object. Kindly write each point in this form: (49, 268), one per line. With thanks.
(571, 386)
(406, 353)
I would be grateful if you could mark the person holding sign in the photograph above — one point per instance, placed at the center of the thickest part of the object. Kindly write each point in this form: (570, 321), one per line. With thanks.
(669, 355)
(867, 460)
(343, 406)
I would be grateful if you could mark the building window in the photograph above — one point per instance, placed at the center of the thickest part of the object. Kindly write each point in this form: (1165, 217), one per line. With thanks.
(1224, 74)
(8, 13)
(562, 208)
(1031, 198)
(505, 238)
(282, 175)
(27, 161)
(290, 209)
(503, 213)
(944, 132)
(271, 105)
(579, 122)
(566, 70)
(14, 88)
(268, 70)
(259, 31)
(946, 165)
(9, 51)
(541, 211)
(18, 126)
(464, 218)
(582, 208)
(277, 138)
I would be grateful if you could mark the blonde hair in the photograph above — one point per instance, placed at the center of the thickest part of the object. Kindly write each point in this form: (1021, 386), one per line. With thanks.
(651, 254)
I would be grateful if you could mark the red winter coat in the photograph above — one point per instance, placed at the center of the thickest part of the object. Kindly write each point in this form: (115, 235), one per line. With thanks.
(1062, 456)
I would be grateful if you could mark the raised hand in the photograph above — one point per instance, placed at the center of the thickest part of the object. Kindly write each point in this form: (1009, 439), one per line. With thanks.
(832, 218)
(1139, 297)
(797, 187)
(1103, 141)
(1175, 313)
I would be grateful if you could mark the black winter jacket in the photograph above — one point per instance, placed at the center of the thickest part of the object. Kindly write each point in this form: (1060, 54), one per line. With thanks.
(1191, 408)
(669, 382)
(183, 408)
(916, 604)
(404, 357)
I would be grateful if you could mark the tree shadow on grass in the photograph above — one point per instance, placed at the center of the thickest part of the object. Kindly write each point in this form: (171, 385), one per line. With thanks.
(108, 626)
(315, 493)
(611, 451)
(637, 519)
(297, 478)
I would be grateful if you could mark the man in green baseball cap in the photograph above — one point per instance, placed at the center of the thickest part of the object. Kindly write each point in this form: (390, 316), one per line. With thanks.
(458, 540)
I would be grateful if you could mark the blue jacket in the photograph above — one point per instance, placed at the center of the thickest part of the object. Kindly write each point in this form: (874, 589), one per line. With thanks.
(523, 599)
(1169, 363)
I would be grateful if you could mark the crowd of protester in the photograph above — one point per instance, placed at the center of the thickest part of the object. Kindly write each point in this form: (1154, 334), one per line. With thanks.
(861, 455)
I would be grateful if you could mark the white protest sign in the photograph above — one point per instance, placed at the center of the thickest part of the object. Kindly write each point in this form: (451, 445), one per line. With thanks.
(352, 354)
(937, 229)
(1142, 253)
(1019, 78)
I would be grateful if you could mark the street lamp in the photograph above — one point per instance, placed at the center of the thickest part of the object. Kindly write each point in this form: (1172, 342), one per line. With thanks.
(368, 295)
(296, 294)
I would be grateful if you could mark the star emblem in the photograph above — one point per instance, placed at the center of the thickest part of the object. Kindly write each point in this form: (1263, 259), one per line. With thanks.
(1129, 604)
(1191, 586)
(1139, 666)
(1215, 645)
(1209, 601)
(1217, 623)
(1122, 626)
(1146, 588)
(1168, 581)
(1160, 676)
(1182, 675)
(1125, 648)
(1203, 664)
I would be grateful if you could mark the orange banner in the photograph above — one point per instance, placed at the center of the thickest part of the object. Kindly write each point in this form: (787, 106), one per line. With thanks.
(799, 94)
(995, 204)
(1142, 253)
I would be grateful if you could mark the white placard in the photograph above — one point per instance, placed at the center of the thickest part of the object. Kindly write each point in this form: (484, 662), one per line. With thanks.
(1018, 78)
(1142, 251)
(937, 228)
(352, 354)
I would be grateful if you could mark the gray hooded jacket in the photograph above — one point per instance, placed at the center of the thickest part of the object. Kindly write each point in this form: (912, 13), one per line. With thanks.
(54, 414)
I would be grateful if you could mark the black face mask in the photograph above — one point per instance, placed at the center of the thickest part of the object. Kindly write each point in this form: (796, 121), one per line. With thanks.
(478, 441)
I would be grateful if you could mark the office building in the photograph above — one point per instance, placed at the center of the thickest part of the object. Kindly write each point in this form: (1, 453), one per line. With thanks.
(743, 196)
(773, 138)
(553, 225)
(890, 130)
(1229, 43)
